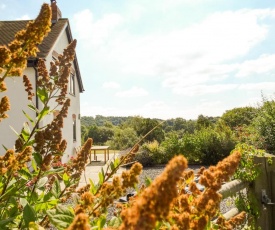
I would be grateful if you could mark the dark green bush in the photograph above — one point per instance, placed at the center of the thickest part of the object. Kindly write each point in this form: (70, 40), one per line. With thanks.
(264, 126)
(151, 153)
(208, 145)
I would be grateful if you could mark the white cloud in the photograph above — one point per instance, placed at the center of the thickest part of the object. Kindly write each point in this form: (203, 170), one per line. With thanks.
(133, 92)
(110, 85)
(263, 64)
(24, 17)
(2, 6)
(190, 61)
(261, 86)
(220, 37)
(203, 89)
(95, 32)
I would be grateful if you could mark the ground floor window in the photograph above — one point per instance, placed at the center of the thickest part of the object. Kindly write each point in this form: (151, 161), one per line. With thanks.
(74, 127)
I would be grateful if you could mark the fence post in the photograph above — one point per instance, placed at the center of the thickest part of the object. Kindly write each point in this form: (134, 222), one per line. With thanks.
(264, 182)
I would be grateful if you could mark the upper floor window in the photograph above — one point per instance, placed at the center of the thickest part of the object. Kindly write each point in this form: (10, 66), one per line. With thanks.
(72, 84)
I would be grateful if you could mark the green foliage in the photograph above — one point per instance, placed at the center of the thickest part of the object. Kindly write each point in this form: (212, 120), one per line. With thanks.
(214, 145)
(248, 202)
(247, 170)
(142, 126)
(101, 120)
(208, 145)
(239, 117)
(122, 139)
(204, 122)
(100, 134)
(84, 133)
(172, 145)
(179, 125)
(151, 154)
(264, 126)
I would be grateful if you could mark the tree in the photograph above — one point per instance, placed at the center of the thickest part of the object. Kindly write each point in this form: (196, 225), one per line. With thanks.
(100, 134)
(123, 139)
(238, 117)
(264, 125)
(204, 121)
(84, 133)
(147, 124)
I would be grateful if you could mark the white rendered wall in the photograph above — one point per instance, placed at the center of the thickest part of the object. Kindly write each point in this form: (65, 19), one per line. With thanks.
(19, 102)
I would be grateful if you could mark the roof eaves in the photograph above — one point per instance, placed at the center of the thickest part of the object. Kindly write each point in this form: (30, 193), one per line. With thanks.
(79, 79)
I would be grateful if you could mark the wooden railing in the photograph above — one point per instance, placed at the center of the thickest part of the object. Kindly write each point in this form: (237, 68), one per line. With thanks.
(263, 188)
(230, 189)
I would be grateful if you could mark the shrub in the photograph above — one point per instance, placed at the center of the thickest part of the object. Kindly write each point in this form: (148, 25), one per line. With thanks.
(264, 126)
(171, 146)
(208, 145)
(151, 154)
(122, 139)
(214, 145)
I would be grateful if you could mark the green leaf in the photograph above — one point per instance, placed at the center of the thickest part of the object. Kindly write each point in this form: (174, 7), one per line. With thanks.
(17, 134)
(35, 226)
(38, 158)
(93, 188)
(48, 196)
(101, 178)
(28, 117)
(43, 113)
(61, 221)
(23, 202)
(112, 166)
(56, 189)
(5, 147)
(64, 210)
(25, 173)
(114, 222)
(34, 165)
(30, 143)
(66, 179)
(42, 182)
(62, 217)
(25, 131)
(148, 181)
(103, 174)
(34, 197)
(29, 214)
(33, 108)
(101, 222)
(42, 95)
(54, 171)
(11, 191)
(4, 223)
(116, 162)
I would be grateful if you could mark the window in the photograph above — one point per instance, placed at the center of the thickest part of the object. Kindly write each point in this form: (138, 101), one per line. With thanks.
(72, 84)
(74, 127)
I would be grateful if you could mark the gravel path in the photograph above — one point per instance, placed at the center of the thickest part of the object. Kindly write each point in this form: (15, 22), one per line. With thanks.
(153, 172)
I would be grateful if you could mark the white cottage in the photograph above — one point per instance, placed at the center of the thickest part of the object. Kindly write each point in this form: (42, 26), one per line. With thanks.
(53, 45)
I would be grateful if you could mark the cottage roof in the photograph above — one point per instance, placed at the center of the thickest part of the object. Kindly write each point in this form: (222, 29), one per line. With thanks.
(9, 28)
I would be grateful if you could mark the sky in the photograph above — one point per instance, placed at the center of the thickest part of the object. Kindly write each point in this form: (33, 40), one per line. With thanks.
(167, 58)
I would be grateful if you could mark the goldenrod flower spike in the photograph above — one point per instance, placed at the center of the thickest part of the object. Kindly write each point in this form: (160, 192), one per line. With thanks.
(14, 57)
(154, 202)
(4, 107)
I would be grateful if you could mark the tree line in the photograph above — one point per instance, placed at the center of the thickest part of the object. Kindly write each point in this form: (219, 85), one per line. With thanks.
(203, 140)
